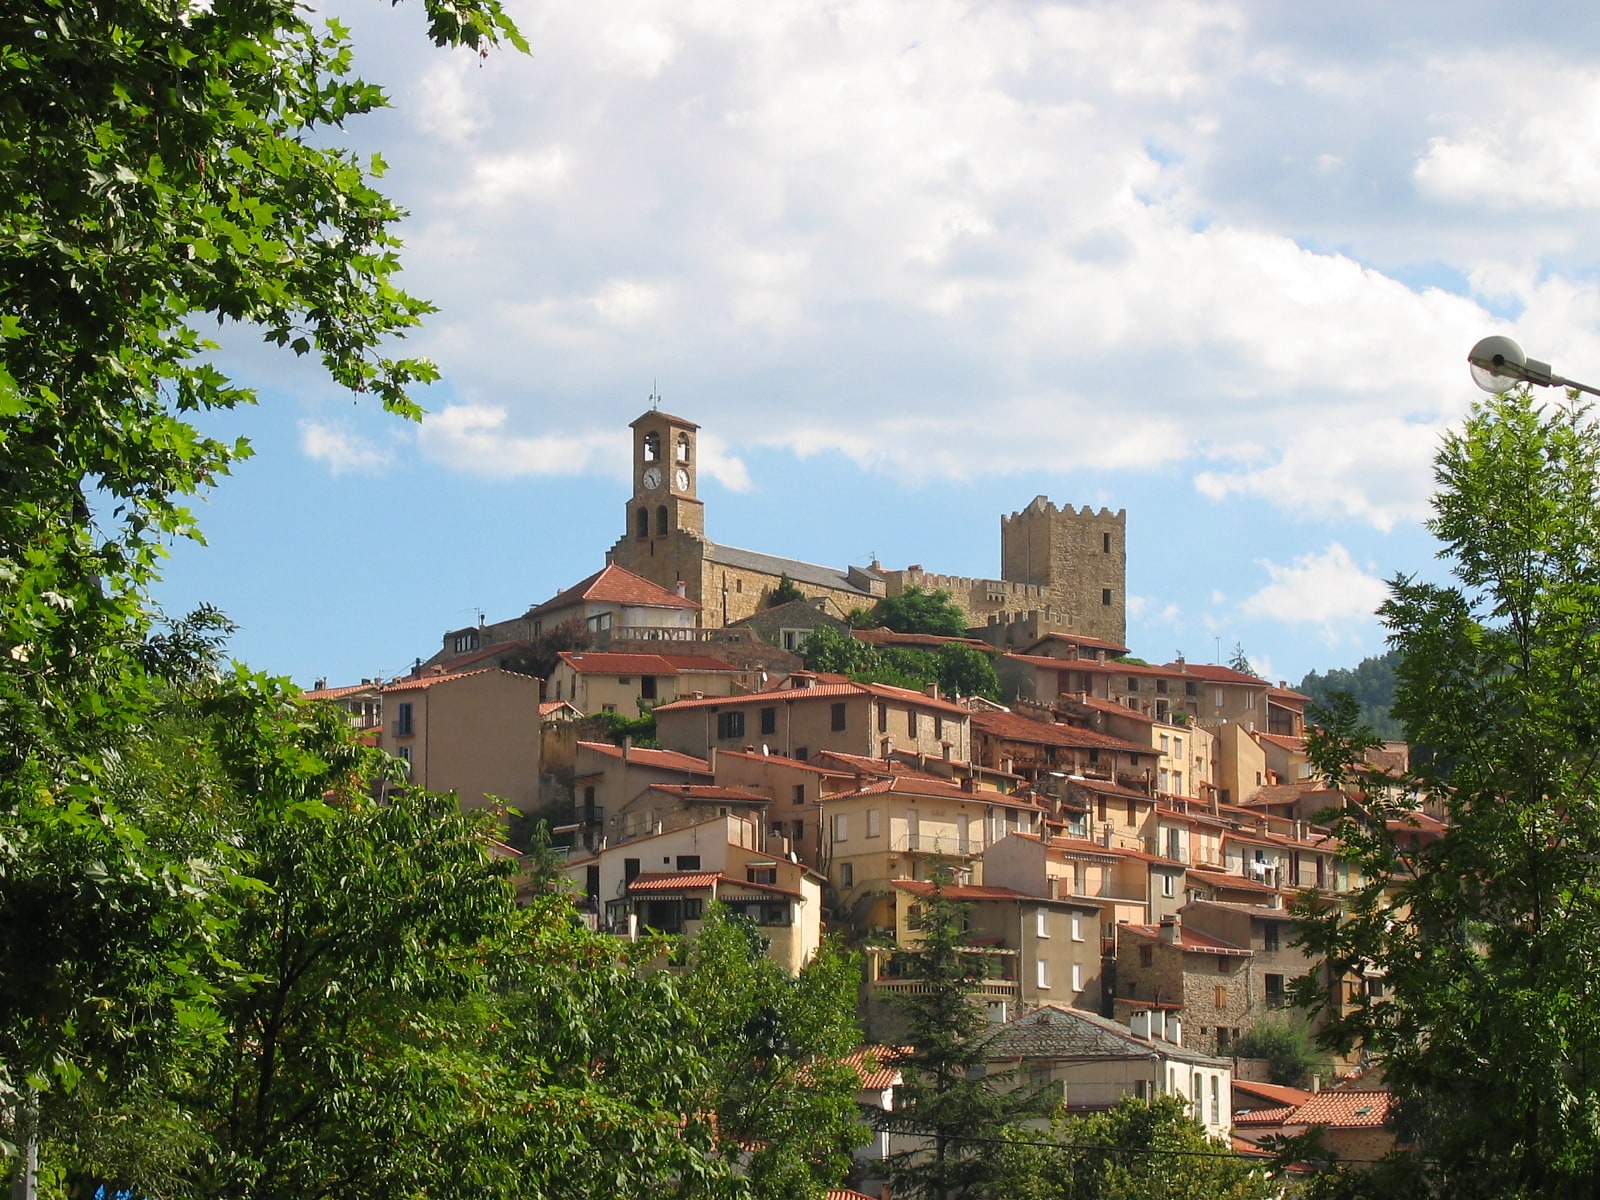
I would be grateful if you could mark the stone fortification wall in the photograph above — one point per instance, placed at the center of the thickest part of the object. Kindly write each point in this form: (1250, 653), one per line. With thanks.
(1080, 558)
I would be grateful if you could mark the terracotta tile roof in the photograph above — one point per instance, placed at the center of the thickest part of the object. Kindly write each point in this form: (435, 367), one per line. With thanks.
(1012, 728)
(1110, 708)
(612, 584)
(845, 1194)
(550, 708)
(963, 891)
(1104, 787)
(1079, 848)
(334, 693)
(1092, 666)
(674, 881)
(1249, 1092)
(1280, 740)
(875, 1064)
(1274, 1115)
(824, 691)
(1192, 940)
(705, 791)
(658, 415)
(669, 760)
(604, 662)
(793, 764)
(1343, 1110)
(478, 655)
(1210, 673)
(427, 681)
(938, 789)
(1075, 639)
(1229, 882)
(888, 637)
(1283, 693)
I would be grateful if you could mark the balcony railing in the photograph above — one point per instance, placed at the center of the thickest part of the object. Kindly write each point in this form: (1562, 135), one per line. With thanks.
(935, 843)
(998, 989)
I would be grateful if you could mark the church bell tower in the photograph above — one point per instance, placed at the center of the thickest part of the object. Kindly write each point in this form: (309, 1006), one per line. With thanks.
(665, 474)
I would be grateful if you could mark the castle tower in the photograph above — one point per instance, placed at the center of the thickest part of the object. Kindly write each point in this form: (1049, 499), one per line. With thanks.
(1080, 556)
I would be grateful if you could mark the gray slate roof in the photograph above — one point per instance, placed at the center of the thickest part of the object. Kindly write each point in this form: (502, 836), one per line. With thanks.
(1055, 1032)
(771, 564)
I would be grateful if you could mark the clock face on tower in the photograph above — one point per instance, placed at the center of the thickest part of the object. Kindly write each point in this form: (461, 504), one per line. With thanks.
(681, 479)
(652, 478)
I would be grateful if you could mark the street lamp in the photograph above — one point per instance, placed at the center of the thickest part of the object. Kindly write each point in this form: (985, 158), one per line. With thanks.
(1498, 365)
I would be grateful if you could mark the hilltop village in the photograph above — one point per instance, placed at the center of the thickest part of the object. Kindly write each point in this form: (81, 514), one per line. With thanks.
(1128, 836)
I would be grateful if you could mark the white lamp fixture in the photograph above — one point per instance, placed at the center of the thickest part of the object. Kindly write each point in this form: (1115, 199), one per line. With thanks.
(1498, 365)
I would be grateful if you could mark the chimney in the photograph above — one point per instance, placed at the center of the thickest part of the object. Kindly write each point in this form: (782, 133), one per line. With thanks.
(627, 748)
(711, 760)
(1283, 685)
(681, 588)
(1175, 1029)
(1171, 930)
(931, 691)
(481, 621)
(969, 784)
(1139, 1025)
(322, 683)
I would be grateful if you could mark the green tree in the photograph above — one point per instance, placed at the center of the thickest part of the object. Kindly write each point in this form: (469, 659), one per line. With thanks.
(775, 1045)
(1479, 936)
(917, 611)
(1240, 661)
(967, 671)
(785, 593)
(829, 650)
(1371, 681)
(162, 164)
(1285, 1041)
(1136, 1151)
(950, 1111)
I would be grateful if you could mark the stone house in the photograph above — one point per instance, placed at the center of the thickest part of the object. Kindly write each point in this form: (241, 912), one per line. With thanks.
(1207, 979)
(630, 684)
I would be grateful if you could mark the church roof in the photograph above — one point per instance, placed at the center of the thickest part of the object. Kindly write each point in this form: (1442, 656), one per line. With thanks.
(772, 564)
(614, 585)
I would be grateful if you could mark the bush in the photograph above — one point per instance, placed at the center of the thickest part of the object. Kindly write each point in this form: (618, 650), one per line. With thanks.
(1285, 1042)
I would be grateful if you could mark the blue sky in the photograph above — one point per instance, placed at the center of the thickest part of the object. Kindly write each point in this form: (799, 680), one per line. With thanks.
(910, 263)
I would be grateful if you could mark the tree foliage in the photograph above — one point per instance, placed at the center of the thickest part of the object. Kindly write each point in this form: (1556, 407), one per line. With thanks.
(1134, 1151)
(917, 611)
(1371, 682)
(785, 593)
(1285, 1041)
(957, 669)
(1481, 936)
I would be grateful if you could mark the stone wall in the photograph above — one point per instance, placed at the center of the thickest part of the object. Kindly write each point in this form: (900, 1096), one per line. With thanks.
(1080, 558)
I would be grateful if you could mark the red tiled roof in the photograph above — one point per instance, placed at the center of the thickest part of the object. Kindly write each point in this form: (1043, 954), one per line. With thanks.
(333, 693)
(1275, 1115)
(963, 891)
(823, 691)
(1286, 743)
(1012, 728)
(481, 653)
(875, 1064)
(1223, 879)
(1194, 941)
(669, 760)
(1110, 707)
(923, 785)
(1283, 693)
(1247, 1091)
(704, 791)
(1210, 673)
(1078, 848)
(1076, 639)
(845, 1194)
(427, 681)
(612, 584)
(674, 881)
(604, 662)
(1104, 787)
(551, 707)
(779, 760)
(1343, 1110)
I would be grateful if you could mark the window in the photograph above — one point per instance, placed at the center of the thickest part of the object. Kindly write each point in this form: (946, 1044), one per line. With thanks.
(599, 623)
(730, 724)
(1217, 696)
(647, 687)
(688, 862)
(738, 585)
(1139, 1089)
(802, 753)
(1177, 747)
(1105, 543)
(794, 640)
(1042, 973)
(1161, 690)
(769, 720)
(1216, 1101)
(1224, 964)
(1221, 997)
(683, 447)
(465, 642)
(838, 717)
(1105, 596)
(1250, 701)
(883, 718)
(1077, 977)
(1275, 993)
(938, 726)
(799, 793)
(1168, 884)
(1147, 956)
(1133, 684)
(693, 908)
(405, 757)
(841, 828)
(1041, 923)
(1129, 812)
(1269, 936)
(911, 722)
(1165, 746)
(874, 828)
(1191, 689)
(402, 721)
(652, 447)
(767, 875)
(641, 523)
(1077, 927)
(630, 870)
(847, 875)
(1223, 1040)
(661, 521)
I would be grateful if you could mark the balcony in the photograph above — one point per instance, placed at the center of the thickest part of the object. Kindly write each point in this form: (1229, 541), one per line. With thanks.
(930, 843)
(989, 989)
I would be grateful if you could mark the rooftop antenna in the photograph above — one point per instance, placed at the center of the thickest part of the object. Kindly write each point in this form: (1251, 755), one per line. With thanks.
(655, 397)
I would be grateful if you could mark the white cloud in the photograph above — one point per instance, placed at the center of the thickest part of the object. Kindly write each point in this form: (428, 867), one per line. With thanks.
(473, 438)
(344, 452)
(446, 104)
(1327, 590)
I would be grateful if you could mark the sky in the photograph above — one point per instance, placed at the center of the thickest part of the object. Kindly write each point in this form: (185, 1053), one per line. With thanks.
(910, 264)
